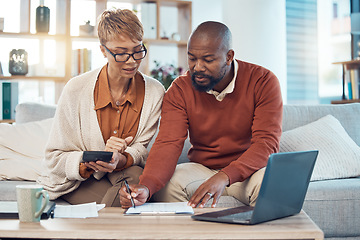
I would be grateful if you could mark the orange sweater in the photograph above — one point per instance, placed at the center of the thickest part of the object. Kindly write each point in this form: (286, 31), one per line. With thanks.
(236, 135)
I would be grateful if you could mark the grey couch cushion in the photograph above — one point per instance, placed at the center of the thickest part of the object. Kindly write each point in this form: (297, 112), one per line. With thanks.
(8, 191)
(334, 205)
(29, 112)
(348, 114)
(183, 157)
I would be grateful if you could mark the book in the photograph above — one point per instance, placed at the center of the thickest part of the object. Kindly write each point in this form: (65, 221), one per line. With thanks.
(354, 81)
(347, 85)
(10, 92)
(351, 82)
(81, 61)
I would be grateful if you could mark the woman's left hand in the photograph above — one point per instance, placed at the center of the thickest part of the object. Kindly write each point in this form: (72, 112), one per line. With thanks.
(117, 146)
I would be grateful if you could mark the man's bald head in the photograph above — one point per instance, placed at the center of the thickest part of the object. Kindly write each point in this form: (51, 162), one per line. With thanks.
(213, 31)
(210, 56)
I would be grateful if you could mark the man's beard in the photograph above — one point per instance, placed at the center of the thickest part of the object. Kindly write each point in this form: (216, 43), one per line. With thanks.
(212, 83)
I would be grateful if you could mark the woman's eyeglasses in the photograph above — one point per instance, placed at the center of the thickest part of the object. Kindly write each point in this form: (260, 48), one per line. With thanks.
(123, 57)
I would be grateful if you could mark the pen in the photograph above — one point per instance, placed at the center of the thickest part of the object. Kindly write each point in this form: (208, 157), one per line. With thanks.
(128, 190)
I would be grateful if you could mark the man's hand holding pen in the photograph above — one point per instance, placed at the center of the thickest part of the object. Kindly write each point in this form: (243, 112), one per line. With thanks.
(129, 191)
(139, 194)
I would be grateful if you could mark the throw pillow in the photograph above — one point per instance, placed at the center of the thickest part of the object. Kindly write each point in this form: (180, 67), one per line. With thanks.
(22, 147)
(339, 155)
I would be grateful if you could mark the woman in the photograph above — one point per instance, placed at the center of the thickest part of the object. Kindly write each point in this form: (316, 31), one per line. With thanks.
(114, 108)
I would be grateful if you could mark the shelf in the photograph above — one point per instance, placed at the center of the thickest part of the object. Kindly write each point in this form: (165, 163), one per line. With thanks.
(65, 43)
(165, 42)
(86, 38)
(355, 62)
(348, 62)
(167, 3)
(33, 35)
(350, 81)
(35, 78)
(345, 101)
(7, 121)
(174, 3)
(146, 40)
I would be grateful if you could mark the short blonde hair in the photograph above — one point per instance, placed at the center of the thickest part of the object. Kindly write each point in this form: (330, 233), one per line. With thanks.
(114, 22)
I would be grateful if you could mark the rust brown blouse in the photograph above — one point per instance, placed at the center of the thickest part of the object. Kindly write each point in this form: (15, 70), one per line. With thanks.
(120, 120)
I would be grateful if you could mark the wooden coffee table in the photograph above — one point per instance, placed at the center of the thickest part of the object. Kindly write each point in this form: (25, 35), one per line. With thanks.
(112, 224)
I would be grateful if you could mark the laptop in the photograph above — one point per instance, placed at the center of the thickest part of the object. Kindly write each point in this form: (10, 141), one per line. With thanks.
(9, 210)
(281, 194)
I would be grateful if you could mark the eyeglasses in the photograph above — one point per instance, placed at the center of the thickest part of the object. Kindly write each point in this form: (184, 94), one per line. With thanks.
(123, 57)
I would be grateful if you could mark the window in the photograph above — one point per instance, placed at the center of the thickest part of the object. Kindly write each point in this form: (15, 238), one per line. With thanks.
(302, 48)
(318, 34)
(334, 41)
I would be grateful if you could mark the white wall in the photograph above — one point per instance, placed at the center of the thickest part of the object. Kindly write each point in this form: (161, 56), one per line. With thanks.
(258, 28)
(259, 33)
(206, 10)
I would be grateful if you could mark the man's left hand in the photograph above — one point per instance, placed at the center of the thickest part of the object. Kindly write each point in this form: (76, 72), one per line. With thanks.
(211, 188)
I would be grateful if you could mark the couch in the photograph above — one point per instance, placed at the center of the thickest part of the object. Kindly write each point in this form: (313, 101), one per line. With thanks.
(332, 202)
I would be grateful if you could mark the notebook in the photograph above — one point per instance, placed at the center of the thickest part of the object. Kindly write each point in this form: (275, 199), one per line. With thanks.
(281, 194)
(9, 210)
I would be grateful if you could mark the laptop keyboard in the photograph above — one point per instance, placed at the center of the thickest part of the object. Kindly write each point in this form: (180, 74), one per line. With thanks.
(239, 216)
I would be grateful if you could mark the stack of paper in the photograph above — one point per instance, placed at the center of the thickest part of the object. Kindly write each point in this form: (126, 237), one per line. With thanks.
(78, 211)
(162, 208)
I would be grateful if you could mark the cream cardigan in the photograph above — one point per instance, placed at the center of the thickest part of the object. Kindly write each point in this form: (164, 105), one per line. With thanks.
(76, 129)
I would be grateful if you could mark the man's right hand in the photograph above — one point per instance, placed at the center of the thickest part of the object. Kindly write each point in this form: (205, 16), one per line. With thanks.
(140, 194)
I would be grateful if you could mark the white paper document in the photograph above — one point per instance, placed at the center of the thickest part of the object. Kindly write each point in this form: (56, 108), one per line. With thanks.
(161, 208)
(78, 211)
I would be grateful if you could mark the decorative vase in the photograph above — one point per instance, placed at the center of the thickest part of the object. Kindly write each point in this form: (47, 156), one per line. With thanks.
(86, 29)
(18, 62)
(42, 18)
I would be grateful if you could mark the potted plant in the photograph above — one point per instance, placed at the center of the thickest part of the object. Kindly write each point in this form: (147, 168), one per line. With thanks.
(165, 73)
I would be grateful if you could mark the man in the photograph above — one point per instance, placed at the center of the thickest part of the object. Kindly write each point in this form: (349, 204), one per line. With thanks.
(232, 111)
